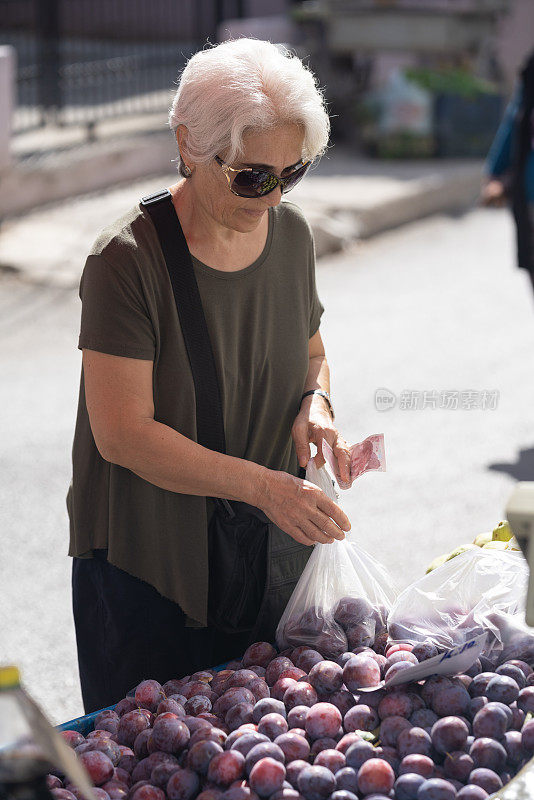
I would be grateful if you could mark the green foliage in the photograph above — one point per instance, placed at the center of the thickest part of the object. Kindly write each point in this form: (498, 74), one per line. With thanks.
(451, 80)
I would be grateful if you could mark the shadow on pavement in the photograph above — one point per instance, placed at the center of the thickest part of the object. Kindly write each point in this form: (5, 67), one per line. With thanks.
(522, 469)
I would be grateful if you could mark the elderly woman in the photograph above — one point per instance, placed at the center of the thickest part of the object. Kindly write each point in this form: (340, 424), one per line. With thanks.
(249, 120)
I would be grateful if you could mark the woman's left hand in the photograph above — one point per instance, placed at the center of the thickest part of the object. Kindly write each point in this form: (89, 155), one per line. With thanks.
(313, 424)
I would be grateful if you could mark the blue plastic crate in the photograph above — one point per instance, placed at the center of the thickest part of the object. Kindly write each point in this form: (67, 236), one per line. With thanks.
(85, 725)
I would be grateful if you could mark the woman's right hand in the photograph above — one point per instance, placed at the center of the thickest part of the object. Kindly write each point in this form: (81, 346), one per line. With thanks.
(301, 509)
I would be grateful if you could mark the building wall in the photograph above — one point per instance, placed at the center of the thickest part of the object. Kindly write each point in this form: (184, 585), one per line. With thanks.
(516, 37)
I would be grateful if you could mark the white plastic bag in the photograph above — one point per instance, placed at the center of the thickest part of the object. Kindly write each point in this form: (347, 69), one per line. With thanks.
(478, 591)
(343, 597)
(404, 106)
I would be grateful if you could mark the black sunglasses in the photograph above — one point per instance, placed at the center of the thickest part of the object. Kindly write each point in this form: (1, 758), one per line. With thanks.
(253, 182)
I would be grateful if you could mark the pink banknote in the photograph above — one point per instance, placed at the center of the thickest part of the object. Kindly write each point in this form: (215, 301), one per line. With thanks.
(365, 456)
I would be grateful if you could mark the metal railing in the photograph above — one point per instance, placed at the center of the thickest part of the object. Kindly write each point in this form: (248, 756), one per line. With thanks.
(84, 61)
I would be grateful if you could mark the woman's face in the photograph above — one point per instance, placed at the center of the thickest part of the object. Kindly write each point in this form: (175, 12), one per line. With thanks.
(275, 149)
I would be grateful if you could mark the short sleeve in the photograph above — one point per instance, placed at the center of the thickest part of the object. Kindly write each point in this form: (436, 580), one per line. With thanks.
(115, 317)
(316, 307)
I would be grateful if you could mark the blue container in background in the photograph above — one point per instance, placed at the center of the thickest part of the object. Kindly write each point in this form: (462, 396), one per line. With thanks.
(464, 127)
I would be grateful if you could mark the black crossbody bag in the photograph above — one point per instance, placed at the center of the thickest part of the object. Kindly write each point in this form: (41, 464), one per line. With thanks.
(253, 565)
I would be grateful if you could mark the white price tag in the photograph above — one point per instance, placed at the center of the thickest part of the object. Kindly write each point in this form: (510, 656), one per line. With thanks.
(452, 662)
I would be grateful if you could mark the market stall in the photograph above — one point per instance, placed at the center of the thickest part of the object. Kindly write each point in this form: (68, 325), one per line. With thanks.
(423, 694)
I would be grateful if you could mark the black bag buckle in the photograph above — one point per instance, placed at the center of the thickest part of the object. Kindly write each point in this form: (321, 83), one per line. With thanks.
(155, 197)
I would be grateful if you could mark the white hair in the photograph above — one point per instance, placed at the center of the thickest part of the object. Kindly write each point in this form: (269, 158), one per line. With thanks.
(241, 85)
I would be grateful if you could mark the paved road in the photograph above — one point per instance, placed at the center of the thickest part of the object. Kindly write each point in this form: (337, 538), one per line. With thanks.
(432, 307)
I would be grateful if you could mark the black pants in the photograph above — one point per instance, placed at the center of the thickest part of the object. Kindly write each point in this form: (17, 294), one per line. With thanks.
(126, 632)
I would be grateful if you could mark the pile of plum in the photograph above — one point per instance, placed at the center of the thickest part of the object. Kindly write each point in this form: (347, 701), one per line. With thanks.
(294, 726)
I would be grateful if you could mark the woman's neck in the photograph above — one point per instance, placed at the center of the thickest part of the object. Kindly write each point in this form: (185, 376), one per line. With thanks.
(214, 244)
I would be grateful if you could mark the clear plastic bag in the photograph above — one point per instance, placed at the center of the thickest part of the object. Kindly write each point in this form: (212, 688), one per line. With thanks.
(343, 597)
(478, 591)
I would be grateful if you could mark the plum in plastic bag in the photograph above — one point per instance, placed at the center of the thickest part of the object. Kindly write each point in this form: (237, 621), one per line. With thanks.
(342, 599)
(477, 591)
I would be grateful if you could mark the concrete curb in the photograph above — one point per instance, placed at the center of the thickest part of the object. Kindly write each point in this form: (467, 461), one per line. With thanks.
(338, 214)
(437, 193)
(335, 226)
(81, 170)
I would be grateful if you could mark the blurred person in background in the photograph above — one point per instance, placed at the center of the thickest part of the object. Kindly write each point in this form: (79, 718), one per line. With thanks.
(249, 120)
(509, 166)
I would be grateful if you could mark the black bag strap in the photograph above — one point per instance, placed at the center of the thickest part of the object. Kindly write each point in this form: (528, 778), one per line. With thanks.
(210, 421)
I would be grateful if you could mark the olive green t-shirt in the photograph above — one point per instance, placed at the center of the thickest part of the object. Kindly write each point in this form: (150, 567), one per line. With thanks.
(260, 320)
